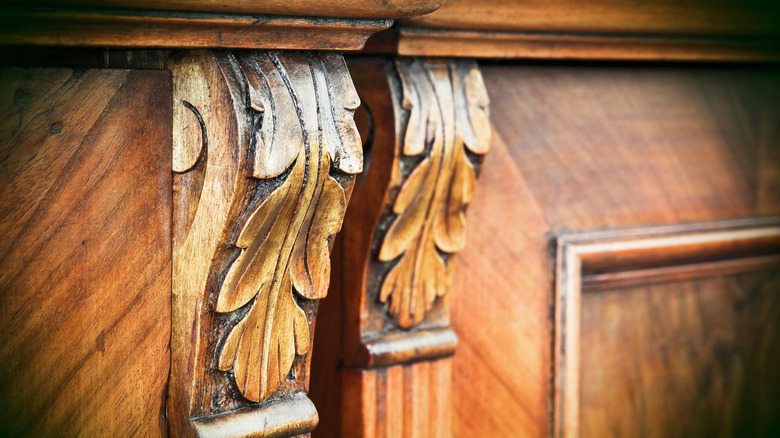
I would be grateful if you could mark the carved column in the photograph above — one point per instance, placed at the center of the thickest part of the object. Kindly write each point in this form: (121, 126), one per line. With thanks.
(427, 130)
(264, 154)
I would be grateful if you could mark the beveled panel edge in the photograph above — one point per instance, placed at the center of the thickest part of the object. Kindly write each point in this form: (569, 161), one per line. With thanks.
(745, 242)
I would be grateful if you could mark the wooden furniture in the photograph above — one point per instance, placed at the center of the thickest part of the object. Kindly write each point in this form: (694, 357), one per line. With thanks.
(189, 186)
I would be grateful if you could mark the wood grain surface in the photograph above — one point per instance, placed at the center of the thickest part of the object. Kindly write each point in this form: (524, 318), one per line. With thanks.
(265, 151)
(399, 401)
(165, 29)
(694, 358)
(590, 148)
(338, 8)
(85, 252)
(670, 17)
(421, 41)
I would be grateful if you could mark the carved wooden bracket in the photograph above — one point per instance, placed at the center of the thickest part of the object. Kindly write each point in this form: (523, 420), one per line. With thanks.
(427, 130)
(264, 153)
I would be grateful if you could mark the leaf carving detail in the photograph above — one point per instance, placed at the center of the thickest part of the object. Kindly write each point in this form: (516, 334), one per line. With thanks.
(283, 242)
(446, 105)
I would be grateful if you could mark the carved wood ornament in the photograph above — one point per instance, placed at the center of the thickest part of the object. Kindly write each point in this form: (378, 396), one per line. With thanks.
(265, 151)
(444, 131)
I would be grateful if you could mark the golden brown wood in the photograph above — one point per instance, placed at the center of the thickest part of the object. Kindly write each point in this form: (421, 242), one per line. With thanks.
(581, 148)
(266, 154)
(692, 358)
(427, 129)
(654, 17)
(410, 400)
(432, 182)
(85, 258)
(133, 28)
(413, 41)
(338, 8)
(574, 256)
(689, 30)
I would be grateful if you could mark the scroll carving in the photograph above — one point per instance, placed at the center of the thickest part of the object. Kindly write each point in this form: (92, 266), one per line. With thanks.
(444, 130)
(265, 151)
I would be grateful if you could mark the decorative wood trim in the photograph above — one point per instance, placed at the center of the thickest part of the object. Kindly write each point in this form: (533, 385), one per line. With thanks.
(619, 258)
(312, 8)
(426, 128)
(541, 45)
(443, 116)
(264, 154)
(151, 28)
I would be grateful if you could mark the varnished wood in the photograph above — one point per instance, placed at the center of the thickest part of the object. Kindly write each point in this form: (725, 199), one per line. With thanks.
(338, 8)
(652, 17)
(575, 254)
(410, 400)
(265, 157)
(689, 30)
(588, 148)
(420, 41)
(145, 28)
(691, 358)
(427, 127)
(85, 258)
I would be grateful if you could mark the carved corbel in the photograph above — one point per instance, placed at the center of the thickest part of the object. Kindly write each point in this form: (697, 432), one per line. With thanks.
(264, 156)
(427, 130)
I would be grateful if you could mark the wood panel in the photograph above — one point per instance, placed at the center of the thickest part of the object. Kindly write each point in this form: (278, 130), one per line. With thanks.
(579, 148)
(683, 249)
(85, 252)
(694, 358)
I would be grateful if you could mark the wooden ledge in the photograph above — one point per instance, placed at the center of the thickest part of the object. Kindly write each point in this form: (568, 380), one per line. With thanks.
(164, 29)
(406, 347)
(553, 45)
(291, 416)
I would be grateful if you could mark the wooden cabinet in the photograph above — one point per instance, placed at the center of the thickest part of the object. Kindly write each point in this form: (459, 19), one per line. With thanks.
(503, 218)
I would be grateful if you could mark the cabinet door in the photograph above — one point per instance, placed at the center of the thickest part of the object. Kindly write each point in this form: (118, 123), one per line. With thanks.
(85, 189)
(616, 149)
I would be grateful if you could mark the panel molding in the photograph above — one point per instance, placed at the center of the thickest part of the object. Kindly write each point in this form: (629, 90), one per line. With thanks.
(642, 256)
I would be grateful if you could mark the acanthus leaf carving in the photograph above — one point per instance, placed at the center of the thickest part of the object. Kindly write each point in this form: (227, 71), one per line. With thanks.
(446, 115)
(294, 120)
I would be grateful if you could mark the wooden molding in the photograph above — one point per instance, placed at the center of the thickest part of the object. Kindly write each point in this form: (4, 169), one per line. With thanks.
(166, 29)
(264, 154)
(413, 41)
(643, 256)
(311, 8)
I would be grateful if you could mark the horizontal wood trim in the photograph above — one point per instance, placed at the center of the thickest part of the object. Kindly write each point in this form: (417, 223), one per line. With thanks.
(340, 8)
(659, 17)
(129, 28)
(488, 44)
(406, 347)
(674, 245)
(673, 252)
(665, 274)
(290, 416)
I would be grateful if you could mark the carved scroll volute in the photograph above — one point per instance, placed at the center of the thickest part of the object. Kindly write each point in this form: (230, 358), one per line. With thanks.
(265, 151)
(443, 132)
